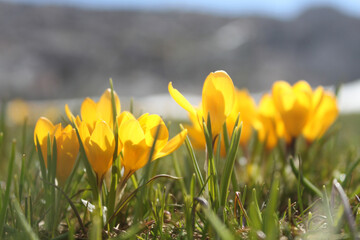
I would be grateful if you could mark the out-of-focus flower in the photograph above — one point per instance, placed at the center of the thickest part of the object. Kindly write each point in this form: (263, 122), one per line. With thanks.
(271, 127)
(99, 145)
(294, 105)
(91, 111)
(66, 144)
(245, 105)
(18, 111)
(303, 110)
(217, 100)
(323, 114)
(137, 137)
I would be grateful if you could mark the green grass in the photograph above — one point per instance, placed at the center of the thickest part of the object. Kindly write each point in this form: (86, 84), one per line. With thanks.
(258, 199)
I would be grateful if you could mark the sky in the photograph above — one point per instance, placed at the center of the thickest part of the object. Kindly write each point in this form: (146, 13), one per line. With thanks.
(275, 8)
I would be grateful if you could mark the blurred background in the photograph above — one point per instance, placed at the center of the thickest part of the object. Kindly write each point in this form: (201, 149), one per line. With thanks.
(69, 49)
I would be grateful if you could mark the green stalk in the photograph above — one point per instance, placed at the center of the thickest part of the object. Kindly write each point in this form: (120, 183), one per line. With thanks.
(6, 197)
(22, 176)
(307, 184)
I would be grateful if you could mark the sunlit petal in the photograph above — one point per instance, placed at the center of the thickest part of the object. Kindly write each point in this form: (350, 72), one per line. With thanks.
(172, 145)
(104, 107)
(180, 99)
(89, 113)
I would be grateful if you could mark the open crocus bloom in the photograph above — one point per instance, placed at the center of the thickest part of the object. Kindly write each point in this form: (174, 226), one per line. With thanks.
(66, 144)
(323, 114)
(217, 100)
(92, 111)
(136, 136)
(294, 105)
(99, 145)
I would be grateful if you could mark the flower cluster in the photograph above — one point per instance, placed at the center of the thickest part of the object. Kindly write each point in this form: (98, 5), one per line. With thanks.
(286, 113)
(103, 131)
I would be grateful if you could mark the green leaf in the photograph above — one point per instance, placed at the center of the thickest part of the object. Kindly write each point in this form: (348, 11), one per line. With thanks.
(271, 227)
(229, 165)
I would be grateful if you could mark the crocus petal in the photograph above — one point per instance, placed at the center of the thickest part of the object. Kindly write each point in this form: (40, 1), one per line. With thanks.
(219, 81)
(197, 137)
(322, 118)
(150, 124)
(100, 148)
(84, 132)
(43, 128)
(217, 99)
(135, 150)
(317, 97)
(245, 105)
(104, 107)
(283, 96)
(135, 156)
(69, 114)
(123, 117)
(180, 99)
(67, 151)
(131, 131)
(88, 113)
(293, 104)
(172, 145)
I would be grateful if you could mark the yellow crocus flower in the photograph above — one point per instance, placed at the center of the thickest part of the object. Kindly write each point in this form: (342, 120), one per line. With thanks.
(323, 114)
(66, 144)
(99, 145)
(217, 100)
(92, 111)
(137, 136)
(294, 105)
(243, 104)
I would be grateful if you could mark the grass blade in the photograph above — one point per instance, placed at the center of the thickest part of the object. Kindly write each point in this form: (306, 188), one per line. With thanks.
(271, 227)
(191, 153)
(348, 214)
(30, 234)
(222, 231)
(307, 184)
(6, 198)
(123, 203)
(229, 165)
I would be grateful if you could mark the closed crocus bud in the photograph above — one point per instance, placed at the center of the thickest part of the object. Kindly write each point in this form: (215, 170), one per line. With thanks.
(294, 105)
(67, 146)
(137, 137)
(322, 116)
(99, 145)
(217, 100)
(92, 111)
